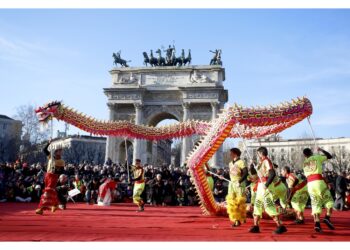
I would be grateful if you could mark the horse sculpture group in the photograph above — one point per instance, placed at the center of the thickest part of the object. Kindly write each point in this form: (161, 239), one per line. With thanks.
(169, 60)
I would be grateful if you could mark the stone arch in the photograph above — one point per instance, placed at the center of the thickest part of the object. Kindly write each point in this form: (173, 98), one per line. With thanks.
(158, 152)
(161, 116)
(155, 114)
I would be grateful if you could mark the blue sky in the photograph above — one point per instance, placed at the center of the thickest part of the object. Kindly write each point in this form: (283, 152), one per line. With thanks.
(269, 56)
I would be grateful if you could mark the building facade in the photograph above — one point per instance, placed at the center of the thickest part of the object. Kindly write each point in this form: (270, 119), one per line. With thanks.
(81, 148)
(10, 137)
(289, 152)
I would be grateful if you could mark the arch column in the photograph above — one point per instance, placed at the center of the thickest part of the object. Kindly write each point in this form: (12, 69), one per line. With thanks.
(111, 150)
(186, 140)
(137, 142)
(214, 111)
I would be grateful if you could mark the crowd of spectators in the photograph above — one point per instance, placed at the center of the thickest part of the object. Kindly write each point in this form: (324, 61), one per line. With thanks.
(165, 185)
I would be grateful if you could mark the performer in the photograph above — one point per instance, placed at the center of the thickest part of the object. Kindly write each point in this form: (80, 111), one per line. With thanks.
(297, 193)
(253, 179)
(280, 191)
(105, 192)
(55, 167)
(317, 187)
(265, 193)
(236, 198)
(139, 185)
(209, 177)
(62, 191)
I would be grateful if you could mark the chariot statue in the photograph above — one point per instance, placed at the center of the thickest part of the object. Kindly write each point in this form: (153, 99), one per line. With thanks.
(169, 60)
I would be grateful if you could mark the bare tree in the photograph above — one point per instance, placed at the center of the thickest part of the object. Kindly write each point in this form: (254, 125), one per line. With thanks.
(31, 127)
(341, 158)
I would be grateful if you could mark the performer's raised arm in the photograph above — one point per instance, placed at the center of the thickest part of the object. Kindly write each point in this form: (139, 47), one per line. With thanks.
(326, 153)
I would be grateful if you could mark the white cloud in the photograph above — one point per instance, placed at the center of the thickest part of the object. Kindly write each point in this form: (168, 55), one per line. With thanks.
(29, 54)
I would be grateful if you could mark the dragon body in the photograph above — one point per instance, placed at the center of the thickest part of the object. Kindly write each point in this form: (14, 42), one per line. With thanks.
(235, 121)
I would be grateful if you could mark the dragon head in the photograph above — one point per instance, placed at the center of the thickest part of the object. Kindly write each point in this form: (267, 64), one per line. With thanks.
(46, 112)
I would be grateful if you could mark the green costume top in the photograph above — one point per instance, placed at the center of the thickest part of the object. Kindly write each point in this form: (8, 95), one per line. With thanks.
(263, 169)
(139, 174)
(236, 170)
(313, 164)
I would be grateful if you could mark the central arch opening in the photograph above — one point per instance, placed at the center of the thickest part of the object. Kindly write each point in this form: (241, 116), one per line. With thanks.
(126, 151)
(164, 152)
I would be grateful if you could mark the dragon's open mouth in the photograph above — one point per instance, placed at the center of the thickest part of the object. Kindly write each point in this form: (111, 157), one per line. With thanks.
(47, 111)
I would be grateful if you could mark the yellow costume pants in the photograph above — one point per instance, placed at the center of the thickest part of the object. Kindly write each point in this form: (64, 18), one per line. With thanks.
(137, 192)
(265, 201)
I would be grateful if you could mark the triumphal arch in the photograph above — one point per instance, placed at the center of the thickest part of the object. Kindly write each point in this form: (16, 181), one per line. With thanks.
(147, 95)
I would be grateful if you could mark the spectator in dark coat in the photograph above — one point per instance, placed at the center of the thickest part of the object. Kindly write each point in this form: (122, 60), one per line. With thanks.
(219, 191)
(157, 190)
(62, 191)
(340, 189)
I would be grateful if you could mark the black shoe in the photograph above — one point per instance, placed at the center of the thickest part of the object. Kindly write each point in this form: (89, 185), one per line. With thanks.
(327, 221)
(280, 230)
(236, 224)
(254, 229)
(140, 210)
(317, 227)
(299, 222)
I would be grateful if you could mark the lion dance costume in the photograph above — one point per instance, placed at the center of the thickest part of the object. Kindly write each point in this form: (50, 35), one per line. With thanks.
(105, 192)
(236, 198)
(49, 198)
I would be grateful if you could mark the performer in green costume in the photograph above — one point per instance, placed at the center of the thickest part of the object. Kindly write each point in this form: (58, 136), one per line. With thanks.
(317, 187)
(297, 193)
(265, 193)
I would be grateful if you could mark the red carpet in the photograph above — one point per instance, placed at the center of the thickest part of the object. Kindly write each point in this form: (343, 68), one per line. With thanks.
(120, 222)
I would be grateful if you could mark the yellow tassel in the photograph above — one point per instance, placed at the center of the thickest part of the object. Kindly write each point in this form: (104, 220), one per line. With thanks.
(236, 207)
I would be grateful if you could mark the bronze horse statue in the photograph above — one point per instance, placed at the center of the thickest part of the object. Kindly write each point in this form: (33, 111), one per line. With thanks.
(160, 59)
(119, 60)
(182, 60)
(151, 59)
